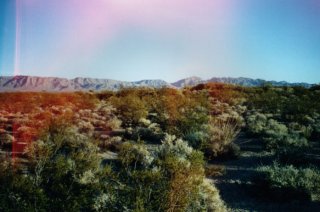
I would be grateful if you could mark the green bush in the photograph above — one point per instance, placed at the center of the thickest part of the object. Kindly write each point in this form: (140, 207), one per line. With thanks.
(256, 123)
(183, 166)
(196, 140)
(66, 172)
(146, 131)
(281, 141)
(277, 135)
(130, 108)
(170, 179)
(301, 130)
(63, 173)
(274, 134)
(290, 182)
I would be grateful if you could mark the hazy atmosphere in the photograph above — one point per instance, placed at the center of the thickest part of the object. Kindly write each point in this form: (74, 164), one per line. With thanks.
(161, 39)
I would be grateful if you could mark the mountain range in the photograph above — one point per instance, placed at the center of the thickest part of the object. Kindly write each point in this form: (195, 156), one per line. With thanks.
(55, 84)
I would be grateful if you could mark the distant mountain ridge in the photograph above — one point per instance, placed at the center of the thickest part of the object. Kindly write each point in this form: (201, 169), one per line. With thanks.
(55, 84)
(30, 83)
(248, 82)
(190, 81)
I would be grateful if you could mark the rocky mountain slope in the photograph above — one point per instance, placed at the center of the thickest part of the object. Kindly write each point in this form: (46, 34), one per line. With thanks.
(30, 83)
(192, 81)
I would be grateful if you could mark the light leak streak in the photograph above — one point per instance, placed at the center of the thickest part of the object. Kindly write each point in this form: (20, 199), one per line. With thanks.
(17, 38)
(16, 71)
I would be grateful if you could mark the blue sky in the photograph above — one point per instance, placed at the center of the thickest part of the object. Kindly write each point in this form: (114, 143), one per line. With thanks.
(161, 39)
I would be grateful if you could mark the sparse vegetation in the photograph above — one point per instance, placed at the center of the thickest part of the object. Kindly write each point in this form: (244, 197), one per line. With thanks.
(146, 149)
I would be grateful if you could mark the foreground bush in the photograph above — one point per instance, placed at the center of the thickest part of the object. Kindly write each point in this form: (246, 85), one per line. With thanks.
(171, 179)
(288, 182)
(65, 173)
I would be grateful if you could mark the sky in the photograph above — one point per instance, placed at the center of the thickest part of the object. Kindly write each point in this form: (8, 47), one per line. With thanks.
(161, 39)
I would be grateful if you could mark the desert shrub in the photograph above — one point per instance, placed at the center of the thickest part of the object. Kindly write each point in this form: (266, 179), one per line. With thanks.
(105, 95)
(174, 111)
(180, 112)
(275, 134)
(27, 102)
(290, 182)
(147, 131)
(214, 170)
(221, 136)
(197, 140)
(146, 134)
(111, 143)
(139, 186)
(208, 199)
(130, 109)
(65, 165)
(28, 114)
(268, 99)
(99, 123)
(226, 112)
(18, 192)
(63, 173)
(290, 104)
(135, 156)
(275, 141)
(85, 127)
(275, 130)
(107, 113)
(302, 130)
(227, 93)
(256, 123)
(168, 109)
(184, 167)
(102, 116)
(170, 179)
(194, 114)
